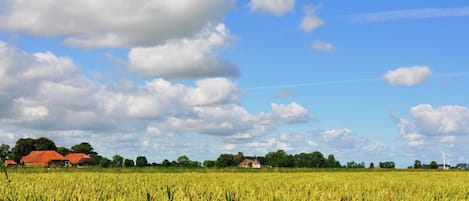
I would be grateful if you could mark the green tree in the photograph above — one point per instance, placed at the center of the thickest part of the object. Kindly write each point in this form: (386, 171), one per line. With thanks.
(22, 148)
(387, 164)
(166, 163)
(372, 165)
(225, 160)
(129, 163)
(417, 164)
(279, 159)
(303, 160)
(44, 143)
(238, 158)
(183, 161)
(330, 161)
(4, 152)
(209, 163)
(141, 161)
(85, 148)
(318, 160)
(117, 160)
(433, 165)
(64, 150)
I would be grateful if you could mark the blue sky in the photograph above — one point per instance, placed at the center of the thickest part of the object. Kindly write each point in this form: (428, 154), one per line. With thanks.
(366, 81)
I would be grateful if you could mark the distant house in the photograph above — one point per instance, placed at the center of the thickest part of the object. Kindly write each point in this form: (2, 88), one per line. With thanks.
(247, 163)
(7, 163)
(44, 158)
(79, 159)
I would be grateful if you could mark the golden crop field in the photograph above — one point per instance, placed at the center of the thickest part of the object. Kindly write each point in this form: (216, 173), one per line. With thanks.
(427, 185)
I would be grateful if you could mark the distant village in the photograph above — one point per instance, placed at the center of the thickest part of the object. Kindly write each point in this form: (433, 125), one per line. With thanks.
(44, 153)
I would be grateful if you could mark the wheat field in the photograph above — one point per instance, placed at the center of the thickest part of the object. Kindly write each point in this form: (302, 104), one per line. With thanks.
(372, 185)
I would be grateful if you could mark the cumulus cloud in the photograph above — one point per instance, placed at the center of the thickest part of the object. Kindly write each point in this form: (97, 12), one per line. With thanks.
(321, 46)
(291, 113)
(449, 119)
(376, 146)
(434, 126)
(155, 114)
(407, 76)
(341, 138)
(185, 58)
(112, 23)
(310, 21)
(277, 7)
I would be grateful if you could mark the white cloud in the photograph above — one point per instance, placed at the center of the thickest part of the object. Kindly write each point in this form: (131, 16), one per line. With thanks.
(112, 23)
(185, 58)
(410, 14)
(407, 76)
(310, 21)
(323, 46)
(35, 112)
(374, 147)
(291, 113)
(212, 91)
(277, 7)
(449, 119)
(434, 127)
(341, 138)
(120, 117)
(228, 148)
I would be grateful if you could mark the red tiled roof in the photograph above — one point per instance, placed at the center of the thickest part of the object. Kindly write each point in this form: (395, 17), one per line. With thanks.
(43, 157)
(9, 162)
(74, 158)
(246, 162)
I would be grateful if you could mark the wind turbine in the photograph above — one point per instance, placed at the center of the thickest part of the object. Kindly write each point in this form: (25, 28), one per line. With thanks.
(444, 159)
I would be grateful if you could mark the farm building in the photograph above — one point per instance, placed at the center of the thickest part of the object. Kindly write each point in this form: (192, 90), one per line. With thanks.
(44, 158)
(247, 163)
(79, 159)
(7, 163)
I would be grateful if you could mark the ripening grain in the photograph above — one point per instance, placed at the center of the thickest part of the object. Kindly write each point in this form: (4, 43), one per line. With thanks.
(449, 186)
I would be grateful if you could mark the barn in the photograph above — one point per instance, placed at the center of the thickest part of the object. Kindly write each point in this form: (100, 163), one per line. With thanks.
(79, 159)
(44, 158)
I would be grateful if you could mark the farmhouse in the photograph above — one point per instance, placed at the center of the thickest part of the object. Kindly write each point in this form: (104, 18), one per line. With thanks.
(79, 159)
(247, 163)
(7, 163)
(44, 158)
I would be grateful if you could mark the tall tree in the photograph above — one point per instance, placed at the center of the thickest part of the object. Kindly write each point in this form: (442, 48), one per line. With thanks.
(141, 161)
(166, 163)
(372, 165)
(117, 160)
(4, 152)
(417, 164)
(238, 158)
(224, 160)
(85, 148)
(44, 143)
(129, 163)
(64, 150)
(183, 160)
(433, 165)
(318, 159)
(22, 147)
(331, 162)
(209, 163)
(279, 159)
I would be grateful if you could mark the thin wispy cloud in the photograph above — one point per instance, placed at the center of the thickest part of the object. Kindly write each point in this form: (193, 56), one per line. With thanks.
(340, 82)
(311, 84)
(409, 14)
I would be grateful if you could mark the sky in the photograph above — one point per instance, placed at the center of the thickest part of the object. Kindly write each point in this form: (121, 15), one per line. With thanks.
(366, 81)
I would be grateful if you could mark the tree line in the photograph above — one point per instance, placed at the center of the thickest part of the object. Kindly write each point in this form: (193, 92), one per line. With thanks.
(277, 158)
